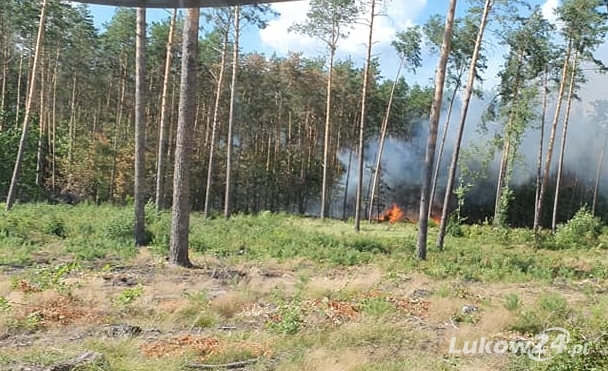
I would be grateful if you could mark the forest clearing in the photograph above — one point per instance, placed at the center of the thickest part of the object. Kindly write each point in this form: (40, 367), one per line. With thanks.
(174, 200)
(281, 292)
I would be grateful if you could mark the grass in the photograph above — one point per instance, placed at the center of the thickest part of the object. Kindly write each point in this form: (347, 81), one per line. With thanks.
(294, 293)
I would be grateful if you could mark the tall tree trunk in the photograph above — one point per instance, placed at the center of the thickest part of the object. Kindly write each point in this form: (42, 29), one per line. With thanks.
(423, 218)
(214, 127)
(180, 215)
(12, 192)
(164, 111)
(42, 123)
(562, 149)
(72, 123)
(19, 78)
(558, 108)
(539, 161)
(229, 142)
(326, 136)
(140, 129)
(368, 58)
(4, 66)
(53, 121)
(502, 184)
(598, 173)
(121, 103)
(382, 138)
(444, 136)
(463, 117)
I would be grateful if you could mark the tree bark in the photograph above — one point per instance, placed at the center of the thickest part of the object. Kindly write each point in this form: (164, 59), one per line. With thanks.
(326, 137)
(230, 144)
(463, 117)
(368, 58)
(562, 150)
(547, 169)
(164, 110)
(423, 221)
(140, 129)
(539, 162)
(382, 138)
(598, 172)
(12, 192)
(180, 216)
(214, 126)
(444, 136)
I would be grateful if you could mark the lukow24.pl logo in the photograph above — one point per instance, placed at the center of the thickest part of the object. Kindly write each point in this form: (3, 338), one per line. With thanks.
(541, 347)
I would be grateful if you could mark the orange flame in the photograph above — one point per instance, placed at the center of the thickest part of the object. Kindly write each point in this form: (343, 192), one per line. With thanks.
(392, 215)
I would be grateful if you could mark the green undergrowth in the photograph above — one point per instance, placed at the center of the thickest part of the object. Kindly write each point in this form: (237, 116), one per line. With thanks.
(86, 232)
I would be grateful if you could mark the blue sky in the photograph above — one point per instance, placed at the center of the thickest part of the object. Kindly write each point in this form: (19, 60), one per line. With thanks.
(399, 15)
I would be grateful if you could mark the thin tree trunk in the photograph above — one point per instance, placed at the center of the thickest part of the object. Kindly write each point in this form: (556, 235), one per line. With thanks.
(139, 189)
(547, 169)
(12, 192)
(180, 215)
(230, 144)
(121, 102)
(562, 150)
(54, 123)
(539, 162)
(444, 136)
(19, 76)
(598, 172)
(368, 58)
(423, 221)
(463, 117)
(382, 138)
(218, 95)
(502, 183)
(72, 123)
(162, 131)
(326, 135)
(4, 65)
(42, 123)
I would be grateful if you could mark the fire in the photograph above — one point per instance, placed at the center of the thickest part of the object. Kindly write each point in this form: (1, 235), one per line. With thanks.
(392, 215)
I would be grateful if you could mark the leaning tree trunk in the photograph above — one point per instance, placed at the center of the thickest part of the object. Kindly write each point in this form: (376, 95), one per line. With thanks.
(560, 161)
(180, 215)
(463, 117)
(382, 138)
(140, 129)
(218, 94)
(362, 119)
(164, 111)
(427, 170)
(230, 144)
(12, 191)
(547, 169)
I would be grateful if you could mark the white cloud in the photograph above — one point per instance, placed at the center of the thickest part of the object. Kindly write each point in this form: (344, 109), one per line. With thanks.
(399, 15)
(548, 9)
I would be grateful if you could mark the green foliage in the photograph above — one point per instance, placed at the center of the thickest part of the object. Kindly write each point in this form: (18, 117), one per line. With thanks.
(376, 306)
(129, 295)
(591, 357)
(289, 319)
(512, 302)
(583, 230)
(550, 310)
(5, 306)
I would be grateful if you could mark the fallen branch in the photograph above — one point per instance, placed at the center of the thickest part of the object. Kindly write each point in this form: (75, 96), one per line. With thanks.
(231, 365)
